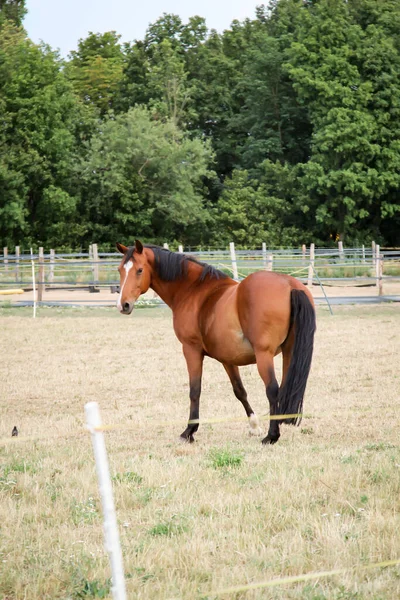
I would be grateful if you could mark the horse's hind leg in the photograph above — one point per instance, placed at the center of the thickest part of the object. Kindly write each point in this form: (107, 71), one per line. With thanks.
(287, 348)
(194, 361)
(241, 394)
(265, 365)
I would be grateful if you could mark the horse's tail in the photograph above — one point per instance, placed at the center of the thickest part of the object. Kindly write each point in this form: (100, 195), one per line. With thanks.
(291, 393)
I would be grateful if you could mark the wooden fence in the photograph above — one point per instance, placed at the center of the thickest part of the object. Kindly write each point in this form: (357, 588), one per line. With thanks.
(93, 271)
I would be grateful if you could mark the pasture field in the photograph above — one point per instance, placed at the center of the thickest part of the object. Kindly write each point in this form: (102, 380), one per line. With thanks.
(224, 511)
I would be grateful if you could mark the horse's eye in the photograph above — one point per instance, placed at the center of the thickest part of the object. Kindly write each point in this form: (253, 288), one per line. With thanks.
(139, 271)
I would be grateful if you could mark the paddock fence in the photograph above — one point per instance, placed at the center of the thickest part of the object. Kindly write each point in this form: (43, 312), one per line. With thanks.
(79, 279)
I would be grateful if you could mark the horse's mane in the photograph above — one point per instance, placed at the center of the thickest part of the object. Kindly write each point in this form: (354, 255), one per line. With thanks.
(173, 266)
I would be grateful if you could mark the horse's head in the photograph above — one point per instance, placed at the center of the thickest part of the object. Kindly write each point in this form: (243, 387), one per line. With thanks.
(134, 272)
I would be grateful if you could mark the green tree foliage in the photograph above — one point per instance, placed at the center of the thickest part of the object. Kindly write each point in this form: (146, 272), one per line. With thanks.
(348, 76)
(157, 70)
(252, 211)
(167, 83)
(41, 121)
(297, 111)
(276, 126)
(12, 10)
(95, 69)
(143, 177)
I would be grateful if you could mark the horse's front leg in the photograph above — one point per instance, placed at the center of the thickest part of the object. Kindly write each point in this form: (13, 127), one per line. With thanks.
(194, 360)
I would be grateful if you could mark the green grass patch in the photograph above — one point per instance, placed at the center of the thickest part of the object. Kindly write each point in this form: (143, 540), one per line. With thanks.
(222, 458)
(127, 477)
(170, 528)
(84, 511)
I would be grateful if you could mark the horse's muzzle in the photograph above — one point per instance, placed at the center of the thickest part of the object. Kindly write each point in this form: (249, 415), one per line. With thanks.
(127, 308)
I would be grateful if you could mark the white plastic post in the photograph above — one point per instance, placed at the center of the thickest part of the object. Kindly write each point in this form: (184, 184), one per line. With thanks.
(111, 534)
(52, 263)
(340, 248)
(264, 254)
(165, 245)
(234, 263)
(180, 249)
(96, 265)
(17, 255)
(378, 269)
(34, 285)
(311, 266)
(373, 258)
(41, 274)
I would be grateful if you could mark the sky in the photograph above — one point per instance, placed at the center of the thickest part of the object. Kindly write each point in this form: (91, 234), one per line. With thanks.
(61, 23)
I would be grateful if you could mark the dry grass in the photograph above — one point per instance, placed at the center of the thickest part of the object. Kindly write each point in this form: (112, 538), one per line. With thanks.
(224, 511)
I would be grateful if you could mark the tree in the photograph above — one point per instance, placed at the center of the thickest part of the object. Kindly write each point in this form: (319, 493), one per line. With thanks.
(251, 211)
(144, 178)
(276, 126)
(95, 69)
(348, 77)
(157, 70)
(41, 124)
(13, 10)
(167, 84)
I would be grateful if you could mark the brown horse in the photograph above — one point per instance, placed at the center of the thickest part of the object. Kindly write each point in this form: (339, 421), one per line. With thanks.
(235, 323)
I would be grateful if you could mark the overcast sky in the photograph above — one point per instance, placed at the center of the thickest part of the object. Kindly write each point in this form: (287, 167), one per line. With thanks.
(61, 23)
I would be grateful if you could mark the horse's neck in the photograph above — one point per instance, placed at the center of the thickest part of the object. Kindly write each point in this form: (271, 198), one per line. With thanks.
(167, 290)
(173, 291)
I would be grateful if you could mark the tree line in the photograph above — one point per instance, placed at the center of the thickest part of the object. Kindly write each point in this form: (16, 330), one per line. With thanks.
(283, 129)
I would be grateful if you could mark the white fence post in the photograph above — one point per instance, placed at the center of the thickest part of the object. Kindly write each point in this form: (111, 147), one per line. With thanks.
(41, 274)
(96, 267)
(311, 267)
(373, 258)
(303, 254)
(264, 254)
(5, 252)
(378, 269)
(33, 284)
(180, 249)
(165, 245)
(340, 248)
(52, 263)
(17, 255)
(111, 534)
(270, 264)
(234, 263)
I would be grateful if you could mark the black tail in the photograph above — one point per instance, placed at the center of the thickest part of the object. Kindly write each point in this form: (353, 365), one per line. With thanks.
(290, 397)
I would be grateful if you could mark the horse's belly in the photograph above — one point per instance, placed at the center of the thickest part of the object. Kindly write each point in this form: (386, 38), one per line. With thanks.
(231, 347)
(221, 331)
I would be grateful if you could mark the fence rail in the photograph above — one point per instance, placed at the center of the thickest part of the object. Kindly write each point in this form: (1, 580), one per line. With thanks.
(94, 271)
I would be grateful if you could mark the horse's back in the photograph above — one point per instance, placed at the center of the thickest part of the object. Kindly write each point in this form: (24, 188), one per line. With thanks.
(271, 286)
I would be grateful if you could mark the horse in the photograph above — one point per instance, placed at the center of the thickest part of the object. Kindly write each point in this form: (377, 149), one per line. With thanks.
(235, 323)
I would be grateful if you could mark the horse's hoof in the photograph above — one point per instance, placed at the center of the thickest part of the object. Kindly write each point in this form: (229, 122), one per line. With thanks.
(255, 431)
(270, 440)
(254, 423)
(185, 438)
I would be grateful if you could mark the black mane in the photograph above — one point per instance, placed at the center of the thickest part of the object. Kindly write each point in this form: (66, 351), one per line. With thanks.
(172, 266)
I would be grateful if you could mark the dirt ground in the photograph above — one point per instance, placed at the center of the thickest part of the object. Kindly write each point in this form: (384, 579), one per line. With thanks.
(195, 519)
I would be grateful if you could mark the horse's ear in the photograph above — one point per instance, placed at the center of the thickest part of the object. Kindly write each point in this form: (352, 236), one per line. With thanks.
(138, 246)
(121, 248)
